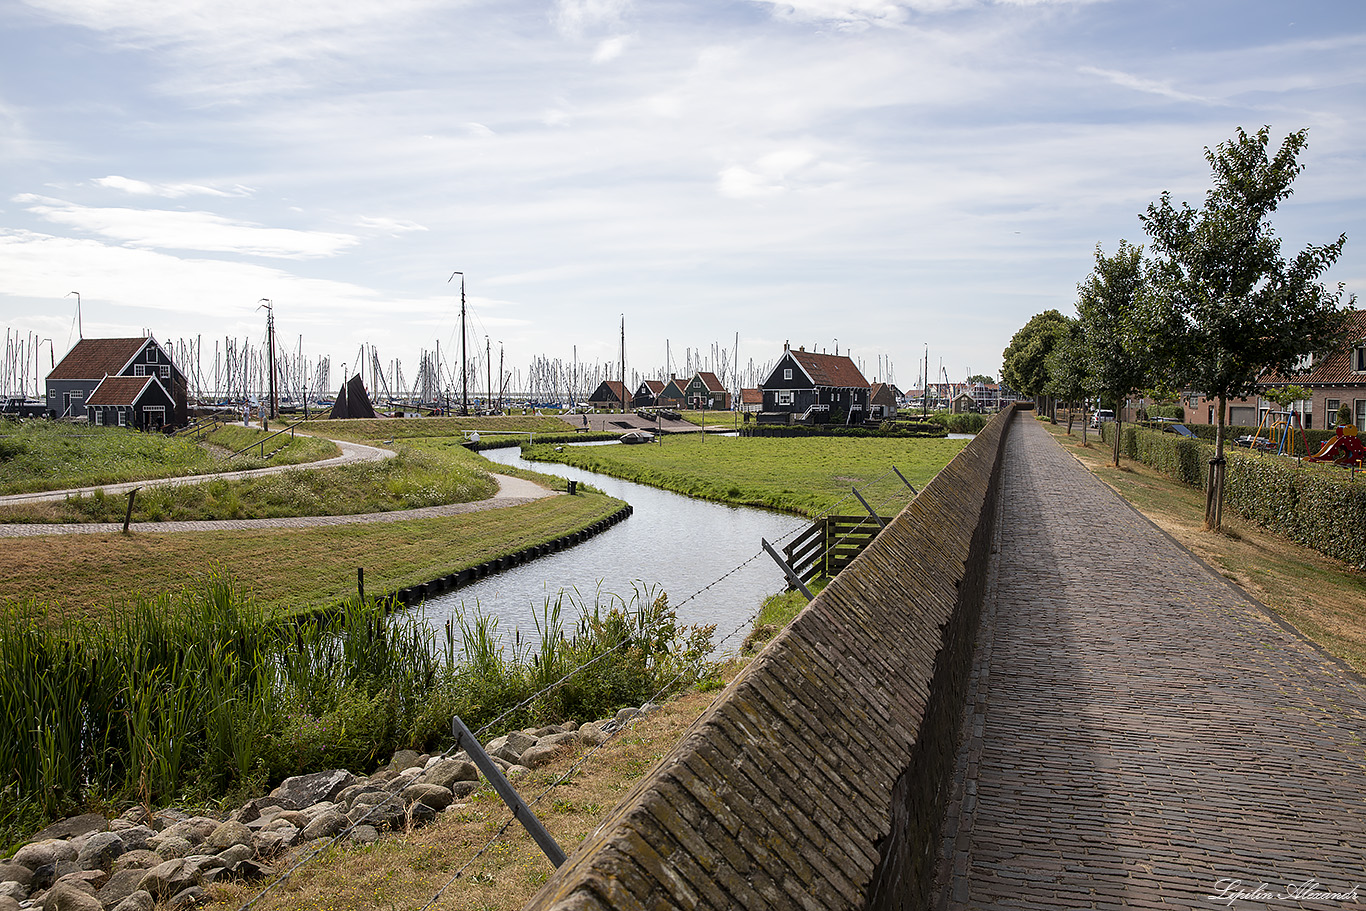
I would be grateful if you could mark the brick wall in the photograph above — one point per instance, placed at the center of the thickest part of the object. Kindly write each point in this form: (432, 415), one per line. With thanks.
(817, 779)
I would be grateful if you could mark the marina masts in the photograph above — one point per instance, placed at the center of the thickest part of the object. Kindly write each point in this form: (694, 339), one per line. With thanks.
(464, 363)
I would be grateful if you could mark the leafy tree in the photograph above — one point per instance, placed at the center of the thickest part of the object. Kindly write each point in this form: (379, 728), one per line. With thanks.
(1067, 376)
(1111, 312)
(980, 378)
(1024, 365)
(1231, 305)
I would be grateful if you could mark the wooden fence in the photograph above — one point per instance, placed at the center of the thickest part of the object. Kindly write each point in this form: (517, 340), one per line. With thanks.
(830, 544)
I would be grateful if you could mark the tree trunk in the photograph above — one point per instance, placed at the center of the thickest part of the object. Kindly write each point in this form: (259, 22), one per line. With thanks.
(1119, 425)
(1084, 425)
(1214, 491)
(1070, 410)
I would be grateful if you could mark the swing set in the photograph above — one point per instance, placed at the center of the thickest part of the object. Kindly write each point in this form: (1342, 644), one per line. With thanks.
(1281, 429)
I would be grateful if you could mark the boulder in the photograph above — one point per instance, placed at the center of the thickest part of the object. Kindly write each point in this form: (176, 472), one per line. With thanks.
(37, 854)
(253, 809)
(236, 854)
(14, 890)
(247, 869)
(137, 816)
(404, 759)
(138, 901)
(70, 897)
(43, 878)
(447, 772)
(558, 739)
(419, 814)
(8, 904)
(347, 798)
(324, 825)
(15, 873)
(311, 813)
(510, 746)
(389, 813)
(73, 826)
(515, 771)
(135, 838)
(627, 714)
(270, 843)
(433, 795)
(543, 754)
(306, 790)
(464, 789)
(100, 851)
(403, 779)
(89, 880)
(591, 734)
(121, 885)
(363, 835)
(137, 859)
(158, 880)
(170, 846)
(190, 897)
(226, 835)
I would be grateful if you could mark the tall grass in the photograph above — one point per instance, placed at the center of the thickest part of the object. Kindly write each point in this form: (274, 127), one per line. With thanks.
(204, 694)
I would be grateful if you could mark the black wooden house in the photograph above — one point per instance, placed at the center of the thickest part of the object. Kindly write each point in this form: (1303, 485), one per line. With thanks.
(127, 382)
(816, 388)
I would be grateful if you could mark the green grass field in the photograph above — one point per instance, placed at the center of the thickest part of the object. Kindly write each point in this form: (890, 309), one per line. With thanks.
(801, 475)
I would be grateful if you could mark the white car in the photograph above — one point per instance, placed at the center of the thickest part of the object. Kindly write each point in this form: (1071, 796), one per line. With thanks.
(1101, 416)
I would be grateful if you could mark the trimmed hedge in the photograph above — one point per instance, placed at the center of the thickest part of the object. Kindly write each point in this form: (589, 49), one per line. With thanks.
(1319, 506)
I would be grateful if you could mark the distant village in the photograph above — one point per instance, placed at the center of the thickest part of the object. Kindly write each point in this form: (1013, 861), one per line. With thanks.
(135, 382)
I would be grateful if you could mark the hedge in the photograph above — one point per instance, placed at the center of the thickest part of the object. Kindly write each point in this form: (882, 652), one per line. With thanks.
(1319, 506)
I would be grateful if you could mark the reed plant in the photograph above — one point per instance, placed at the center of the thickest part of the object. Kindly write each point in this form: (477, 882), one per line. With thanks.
(205, 694)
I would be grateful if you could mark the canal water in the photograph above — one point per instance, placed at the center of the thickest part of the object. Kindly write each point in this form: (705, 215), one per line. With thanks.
(670, 543)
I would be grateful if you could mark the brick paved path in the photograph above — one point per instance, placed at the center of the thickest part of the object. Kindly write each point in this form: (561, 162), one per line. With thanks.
(1138, 733)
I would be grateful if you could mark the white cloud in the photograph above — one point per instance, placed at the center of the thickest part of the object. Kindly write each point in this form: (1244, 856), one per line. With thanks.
(610, 49)
(165, 190)
(1162, 88)
(576, 18)
(171, 230)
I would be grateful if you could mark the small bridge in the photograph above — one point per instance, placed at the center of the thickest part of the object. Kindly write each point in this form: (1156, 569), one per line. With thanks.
(1022, 694)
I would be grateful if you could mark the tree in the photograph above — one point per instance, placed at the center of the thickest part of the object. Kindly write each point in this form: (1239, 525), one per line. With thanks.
(1067, 375)
(1231, 306)
(1112, 311)
(980, 378)
(1024, 365)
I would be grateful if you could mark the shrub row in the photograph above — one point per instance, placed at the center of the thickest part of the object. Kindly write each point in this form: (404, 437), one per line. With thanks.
(1319, 506)
(910, 429)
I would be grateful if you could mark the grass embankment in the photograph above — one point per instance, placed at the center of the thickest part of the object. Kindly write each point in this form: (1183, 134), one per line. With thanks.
(801, 475)
(205, 694)
(1325, 599)
(42, 455)
(286, 568)
(407, 871)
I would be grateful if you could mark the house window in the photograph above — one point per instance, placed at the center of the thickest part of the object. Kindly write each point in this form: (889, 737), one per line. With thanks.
(123, 418)
(787, 373)
(1330, 407)
(99, 416)
(151, 355)
(139, 370)
(165, 372)
(1359, 359)
(784, 398)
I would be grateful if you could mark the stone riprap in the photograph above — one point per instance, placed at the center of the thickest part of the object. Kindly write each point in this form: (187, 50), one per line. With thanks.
(787, 791)
(90, 863)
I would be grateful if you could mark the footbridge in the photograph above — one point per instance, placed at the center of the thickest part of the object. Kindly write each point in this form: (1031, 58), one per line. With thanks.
(1021, 695)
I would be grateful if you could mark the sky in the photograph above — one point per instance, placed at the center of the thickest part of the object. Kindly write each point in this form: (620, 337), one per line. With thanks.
(888, 178)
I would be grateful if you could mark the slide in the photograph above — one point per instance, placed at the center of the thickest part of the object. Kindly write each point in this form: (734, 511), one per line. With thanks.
(1343, 449)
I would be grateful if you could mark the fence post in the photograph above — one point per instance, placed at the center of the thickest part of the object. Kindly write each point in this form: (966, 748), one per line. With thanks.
(792, 576)
(466, 741)
(360, 582)
(128, 516)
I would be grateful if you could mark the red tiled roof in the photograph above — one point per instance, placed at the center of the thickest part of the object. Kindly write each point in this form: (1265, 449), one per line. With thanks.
(710, 381)
(1334, 369)
(616, 392)
(119, 390)
(830, 369)
(655, 386)
(752, 396)
(95, 358)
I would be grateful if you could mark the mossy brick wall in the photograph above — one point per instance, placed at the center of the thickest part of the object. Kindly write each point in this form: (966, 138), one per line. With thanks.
(818, 778)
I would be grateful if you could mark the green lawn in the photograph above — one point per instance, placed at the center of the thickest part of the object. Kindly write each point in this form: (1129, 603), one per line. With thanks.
(802, 475)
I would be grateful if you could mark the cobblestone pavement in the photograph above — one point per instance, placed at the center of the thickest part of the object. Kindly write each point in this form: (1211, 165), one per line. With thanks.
(1138, 733)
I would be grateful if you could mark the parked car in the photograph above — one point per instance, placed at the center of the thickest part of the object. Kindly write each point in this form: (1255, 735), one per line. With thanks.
(1101, 416)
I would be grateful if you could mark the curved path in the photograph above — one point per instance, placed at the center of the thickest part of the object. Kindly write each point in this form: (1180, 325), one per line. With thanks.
(511, 492)
(1138, 733)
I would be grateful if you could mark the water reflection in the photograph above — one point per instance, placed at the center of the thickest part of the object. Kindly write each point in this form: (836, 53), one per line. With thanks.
(671, 543)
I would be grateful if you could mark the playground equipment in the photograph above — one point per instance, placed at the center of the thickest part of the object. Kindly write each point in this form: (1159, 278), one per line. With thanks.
(1280, 427)
(1345, 448)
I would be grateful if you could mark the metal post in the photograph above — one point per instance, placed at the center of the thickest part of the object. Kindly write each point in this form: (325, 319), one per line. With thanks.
(521, 812)
(904, 481)
(128, 516)
(871, 511)
(792, 576)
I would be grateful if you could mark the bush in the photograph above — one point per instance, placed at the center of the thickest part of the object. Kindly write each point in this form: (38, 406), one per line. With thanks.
(1319, 506)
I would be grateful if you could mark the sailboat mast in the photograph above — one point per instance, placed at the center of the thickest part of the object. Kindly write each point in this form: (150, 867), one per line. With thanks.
(623, 363)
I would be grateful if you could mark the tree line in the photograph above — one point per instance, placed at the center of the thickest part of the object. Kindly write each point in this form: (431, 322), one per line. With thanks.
(1211, 305)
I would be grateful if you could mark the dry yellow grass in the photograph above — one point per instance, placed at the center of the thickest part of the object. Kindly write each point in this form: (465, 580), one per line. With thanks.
(1323, 598)
(405, 871)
